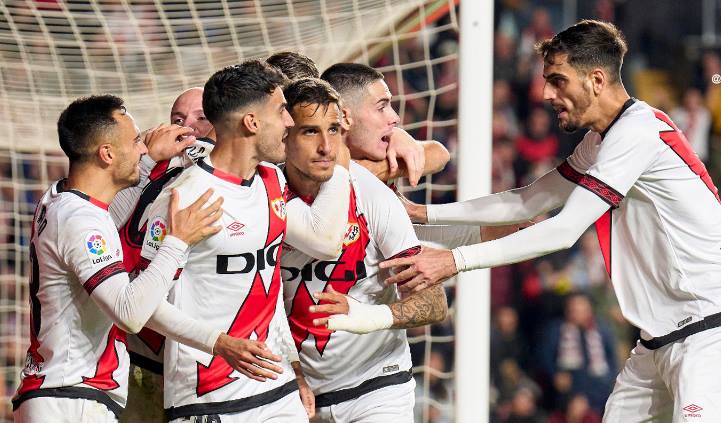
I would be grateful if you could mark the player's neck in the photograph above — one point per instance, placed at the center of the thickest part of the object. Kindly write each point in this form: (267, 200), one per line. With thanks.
(609, 106)
(300, 184)
(93, 182)
(235, 155)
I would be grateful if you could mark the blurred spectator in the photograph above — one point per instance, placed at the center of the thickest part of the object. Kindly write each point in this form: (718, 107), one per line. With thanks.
(586, 265)
(537, 144)
(578, 353)
(524, 408)
(506, 342)
(711, 64)
(694, 119)
(503, 103)
(576, 411)
(510, 380)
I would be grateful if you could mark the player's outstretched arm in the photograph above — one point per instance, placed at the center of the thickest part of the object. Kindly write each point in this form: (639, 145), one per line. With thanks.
(130, 305)
(518, 205)
(418, 309)
(316, 229)
(433, 266)
(417, 158)
(251, 358)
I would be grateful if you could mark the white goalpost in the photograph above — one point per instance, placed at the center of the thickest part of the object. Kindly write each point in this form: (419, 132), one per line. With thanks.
(473, 315)
(149, 51)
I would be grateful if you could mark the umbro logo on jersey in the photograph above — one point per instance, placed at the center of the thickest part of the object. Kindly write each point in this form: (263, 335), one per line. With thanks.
(278, 206)
(351, 234)
(235, 229)
(692, 410)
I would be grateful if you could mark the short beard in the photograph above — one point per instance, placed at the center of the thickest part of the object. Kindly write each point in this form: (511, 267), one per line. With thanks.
(583, 104)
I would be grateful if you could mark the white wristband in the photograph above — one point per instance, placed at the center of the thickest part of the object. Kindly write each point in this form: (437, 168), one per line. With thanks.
(362, 318)
(459, 259)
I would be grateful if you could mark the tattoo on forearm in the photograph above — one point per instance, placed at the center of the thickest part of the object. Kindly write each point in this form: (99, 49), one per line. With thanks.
(422, 308)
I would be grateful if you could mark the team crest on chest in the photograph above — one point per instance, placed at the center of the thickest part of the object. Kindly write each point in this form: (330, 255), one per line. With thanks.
(351, 234)
(278, 206)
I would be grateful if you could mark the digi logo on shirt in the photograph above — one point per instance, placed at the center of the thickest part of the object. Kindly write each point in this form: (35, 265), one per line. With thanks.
(97, 248)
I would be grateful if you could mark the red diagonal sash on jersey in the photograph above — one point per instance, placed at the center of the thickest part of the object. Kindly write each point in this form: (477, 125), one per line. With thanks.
(346, 272)
(257, 310)
(108, 363)
(680, 145)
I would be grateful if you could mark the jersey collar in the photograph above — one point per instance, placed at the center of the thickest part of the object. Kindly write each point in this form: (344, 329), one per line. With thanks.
(625, 107)
(62, 188)
(224, 175)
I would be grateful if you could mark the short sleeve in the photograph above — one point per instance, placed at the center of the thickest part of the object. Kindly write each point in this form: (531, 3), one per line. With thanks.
(91, 248)
(623, 156)
(389, 223)
(609, 167)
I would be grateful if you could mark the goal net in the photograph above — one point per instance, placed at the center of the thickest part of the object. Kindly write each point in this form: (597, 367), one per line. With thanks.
(148, 51)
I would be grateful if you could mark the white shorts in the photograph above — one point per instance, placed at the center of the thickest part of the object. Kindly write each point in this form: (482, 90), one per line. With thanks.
(388, 404)
(679, 382)
(288, 409)
(62, 410)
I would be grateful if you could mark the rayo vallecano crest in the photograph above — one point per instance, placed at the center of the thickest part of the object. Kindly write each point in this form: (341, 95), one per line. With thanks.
(278, 206)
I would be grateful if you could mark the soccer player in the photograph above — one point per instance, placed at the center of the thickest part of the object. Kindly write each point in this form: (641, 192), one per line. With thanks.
(77, 366)
(657, 215)
(187, 110)
(232, 280)
(145, 393)
(376, 385)
(405, 157)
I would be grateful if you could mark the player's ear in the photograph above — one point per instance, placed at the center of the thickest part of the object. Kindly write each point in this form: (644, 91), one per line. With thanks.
(105, 153)
(598, 79)
(250, 123)
(347, 120)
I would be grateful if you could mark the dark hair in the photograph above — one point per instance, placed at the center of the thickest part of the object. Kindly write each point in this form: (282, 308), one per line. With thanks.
(310, 91)
(347, 78)
(238, 86)
(84, 121)
(588, 44)
(294, 65)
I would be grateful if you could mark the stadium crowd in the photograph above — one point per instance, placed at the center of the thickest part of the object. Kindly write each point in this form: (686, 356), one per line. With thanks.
(557, 336)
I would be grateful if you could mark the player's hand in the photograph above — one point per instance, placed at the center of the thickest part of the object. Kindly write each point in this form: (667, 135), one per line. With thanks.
(195, 222)
(334, 303)
(403, 146)
(306, 394)
(349, 314)
(430, 267)
(251, 358)
(417, 212)
(166, 141)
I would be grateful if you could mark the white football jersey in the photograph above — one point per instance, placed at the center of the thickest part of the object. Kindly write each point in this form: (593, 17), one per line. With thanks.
(74, 345)
(661, 238)
(231, 282)
(378, 229)
(146, 347)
